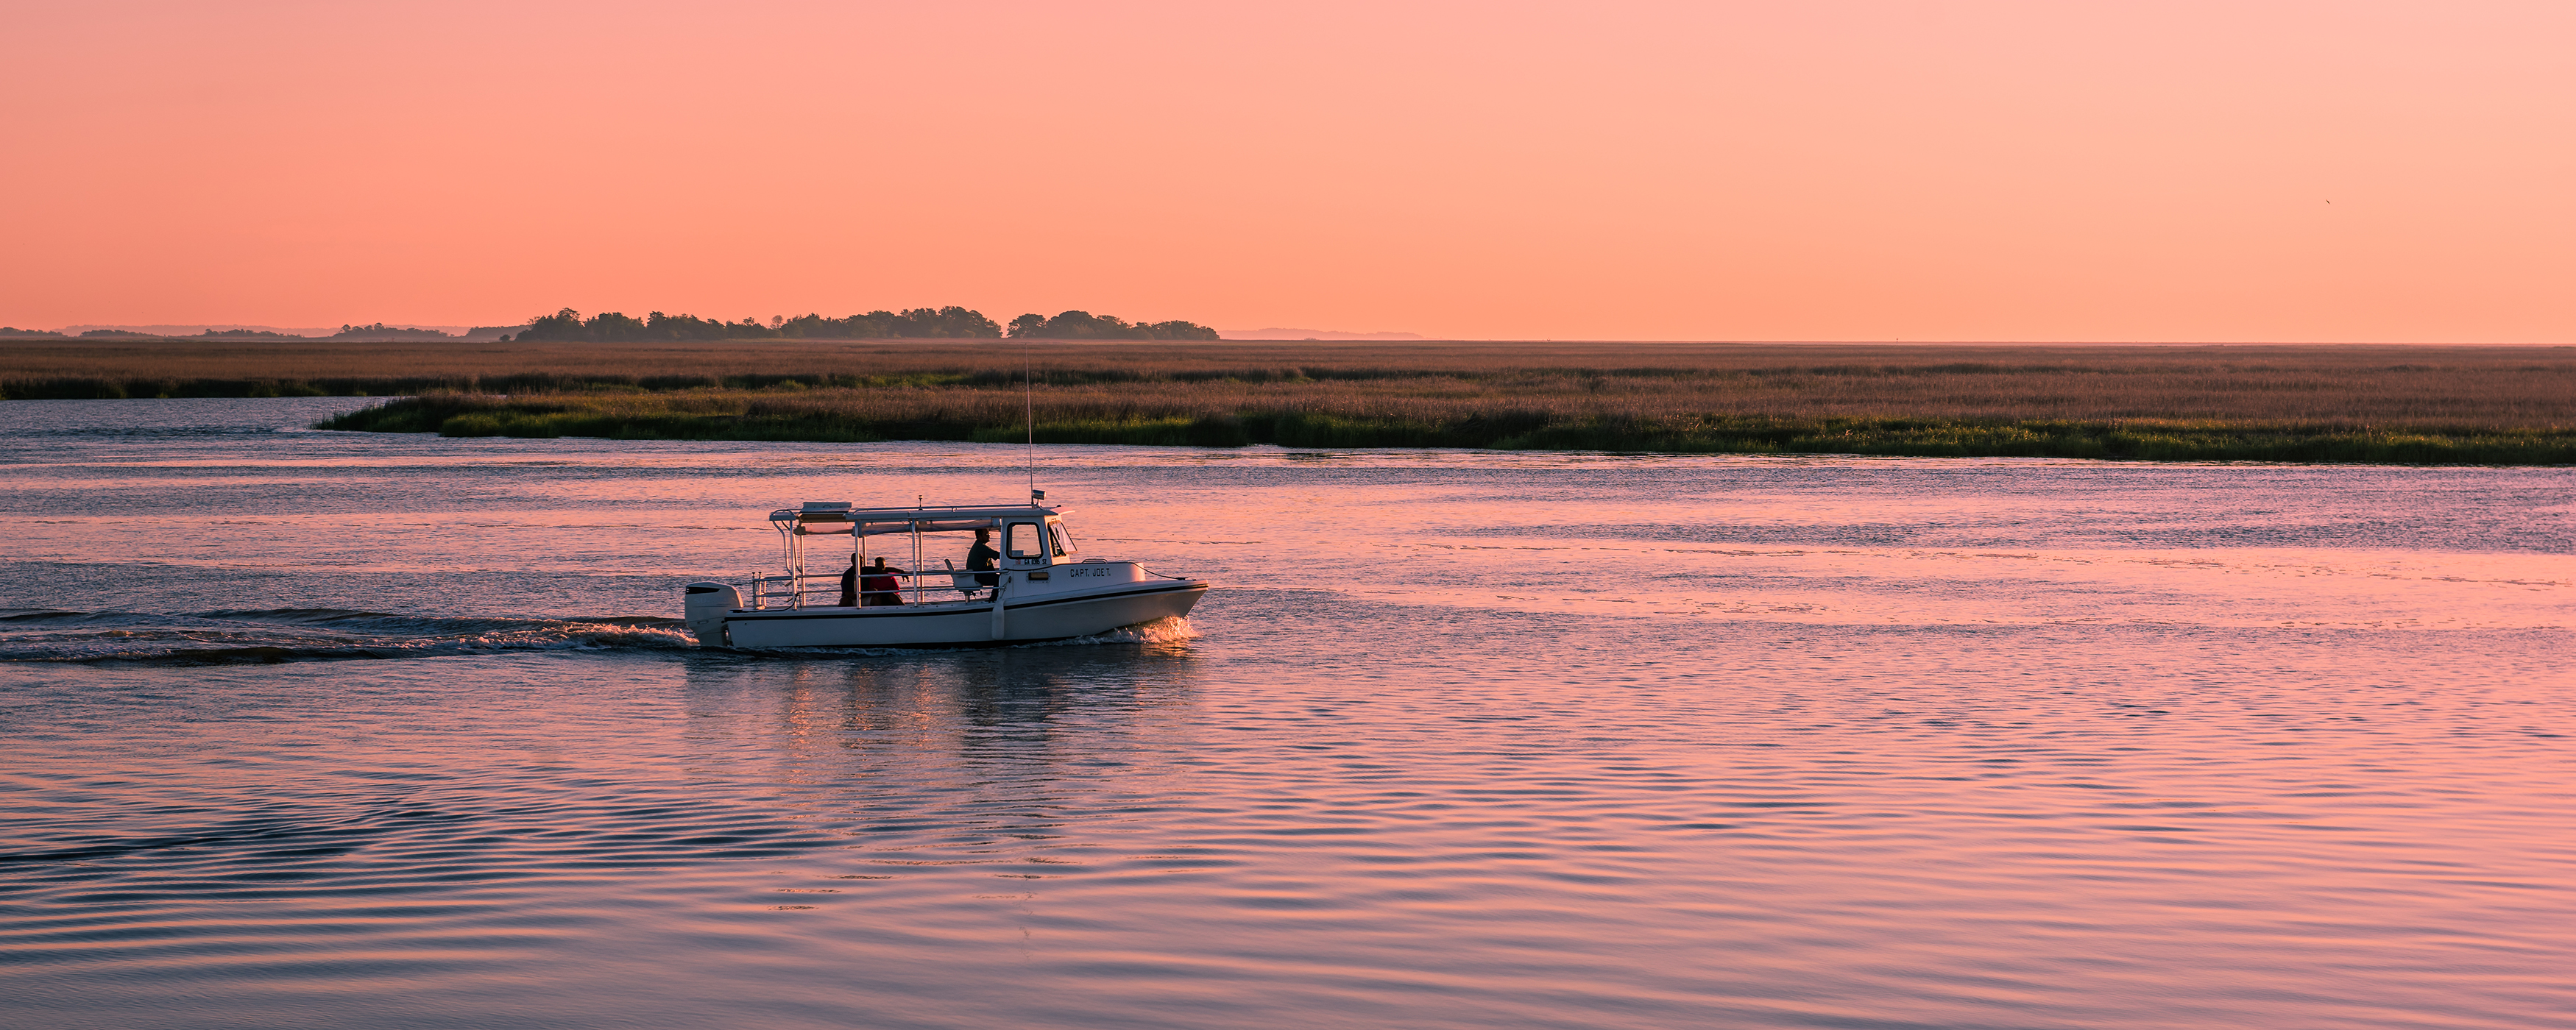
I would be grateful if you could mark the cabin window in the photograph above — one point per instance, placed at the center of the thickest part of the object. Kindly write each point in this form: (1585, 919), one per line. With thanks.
(1063, 543)
(1023, 541)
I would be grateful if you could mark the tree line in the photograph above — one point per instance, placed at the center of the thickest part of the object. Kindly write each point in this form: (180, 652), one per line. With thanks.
(377, 333)
(1083, 325)
(951, 322)
(568, 325)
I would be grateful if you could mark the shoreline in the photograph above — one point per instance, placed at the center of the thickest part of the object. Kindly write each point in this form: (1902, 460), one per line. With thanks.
(2463, 404)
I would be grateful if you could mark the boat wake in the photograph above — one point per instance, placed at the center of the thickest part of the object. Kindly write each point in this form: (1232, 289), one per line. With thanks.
(1169, 630)
(307, 634)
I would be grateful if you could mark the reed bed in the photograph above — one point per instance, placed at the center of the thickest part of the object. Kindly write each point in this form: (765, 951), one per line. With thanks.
(2487, 387)
(2502, 405)
(1535, 412)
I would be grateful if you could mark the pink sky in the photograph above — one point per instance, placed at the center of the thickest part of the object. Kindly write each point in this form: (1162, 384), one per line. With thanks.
(1935, 170)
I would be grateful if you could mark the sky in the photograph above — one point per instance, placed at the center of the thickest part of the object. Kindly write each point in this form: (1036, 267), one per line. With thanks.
(2183, 171)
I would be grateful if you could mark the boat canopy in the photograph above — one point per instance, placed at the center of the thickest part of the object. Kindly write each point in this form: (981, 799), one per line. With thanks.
(831, 518)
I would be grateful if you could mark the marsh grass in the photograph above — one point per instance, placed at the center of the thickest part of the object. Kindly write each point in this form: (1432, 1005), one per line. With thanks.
(2501, 405)
(1287, 415)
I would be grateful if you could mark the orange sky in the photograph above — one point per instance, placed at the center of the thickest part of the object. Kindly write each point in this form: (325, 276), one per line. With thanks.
(1826, 170)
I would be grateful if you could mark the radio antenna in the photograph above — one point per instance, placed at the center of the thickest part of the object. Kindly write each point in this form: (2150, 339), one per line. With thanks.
(1029, 381)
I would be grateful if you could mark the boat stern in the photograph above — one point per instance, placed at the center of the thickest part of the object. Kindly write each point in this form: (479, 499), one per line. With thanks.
(705, 607)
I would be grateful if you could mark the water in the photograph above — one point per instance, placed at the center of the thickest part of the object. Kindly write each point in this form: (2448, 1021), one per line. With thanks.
(317, 730)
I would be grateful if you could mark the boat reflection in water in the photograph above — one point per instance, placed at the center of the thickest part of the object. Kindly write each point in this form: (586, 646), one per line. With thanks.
(1040, 589)
(982, 758)
(955, 697)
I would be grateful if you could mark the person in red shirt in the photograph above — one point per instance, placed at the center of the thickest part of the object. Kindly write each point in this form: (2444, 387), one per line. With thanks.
(878, 586)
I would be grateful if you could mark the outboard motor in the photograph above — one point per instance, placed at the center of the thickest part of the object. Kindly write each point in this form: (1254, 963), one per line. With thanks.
(707, 606)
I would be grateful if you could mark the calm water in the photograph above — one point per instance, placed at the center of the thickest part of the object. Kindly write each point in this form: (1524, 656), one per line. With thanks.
(317, 730)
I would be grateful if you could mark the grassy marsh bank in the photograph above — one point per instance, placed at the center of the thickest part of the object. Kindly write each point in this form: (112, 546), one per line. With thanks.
(2488, 405)
(1283, 417)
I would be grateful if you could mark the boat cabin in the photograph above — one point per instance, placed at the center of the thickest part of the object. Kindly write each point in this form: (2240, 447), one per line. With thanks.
(928, 544)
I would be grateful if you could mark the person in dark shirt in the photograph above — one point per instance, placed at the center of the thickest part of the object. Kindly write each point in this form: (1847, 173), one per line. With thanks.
(983, 558)
(850, 584)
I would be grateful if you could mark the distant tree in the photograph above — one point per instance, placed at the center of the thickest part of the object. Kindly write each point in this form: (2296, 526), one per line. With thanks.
(35, 333)
(870, 326)
(658, 326)
(381, 331)
(950, 322)
(562, 325)
(614, 327)
(1083, 325)
(1176, 330)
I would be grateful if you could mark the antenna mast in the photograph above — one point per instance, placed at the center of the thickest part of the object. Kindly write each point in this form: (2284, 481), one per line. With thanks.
(1029, 382)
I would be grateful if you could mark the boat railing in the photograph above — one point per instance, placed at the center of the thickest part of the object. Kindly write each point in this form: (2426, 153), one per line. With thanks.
(793, 591)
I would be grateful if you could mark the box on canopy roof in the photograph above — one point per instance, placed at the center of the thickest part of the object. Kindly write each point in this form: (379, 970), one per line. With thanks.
(832, 518)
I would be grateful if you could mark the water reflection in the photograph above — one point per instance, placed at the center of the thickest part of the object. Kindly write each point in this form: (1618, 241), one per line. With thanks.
(943, 726)
(1471, 740)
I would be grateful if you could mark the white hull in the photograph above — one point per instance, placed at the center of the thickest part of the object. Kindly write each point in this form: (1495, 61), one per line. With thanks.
(1023, 618)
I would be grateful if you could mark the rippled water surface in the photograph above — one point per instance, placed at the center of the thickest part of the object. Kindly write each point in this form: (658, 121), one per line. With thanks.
(315, 730)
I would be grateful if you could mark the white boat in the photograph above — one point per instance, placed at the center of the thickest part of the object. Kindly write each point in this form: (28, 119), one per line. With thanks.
(1042, 589)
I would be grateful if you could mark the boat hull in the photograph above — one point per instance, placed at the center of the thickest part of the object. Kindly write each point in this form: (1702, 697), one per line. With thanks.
(964, 624)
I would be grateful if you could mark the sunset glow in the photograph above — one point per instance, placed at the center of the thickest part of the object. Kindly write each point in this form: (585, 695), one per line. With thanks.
(1142, 515)
(1996, 171)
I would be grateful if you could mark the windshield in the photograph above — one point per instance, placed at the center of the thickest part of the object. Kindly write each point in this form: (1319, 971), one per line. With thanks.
(1024, 541)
